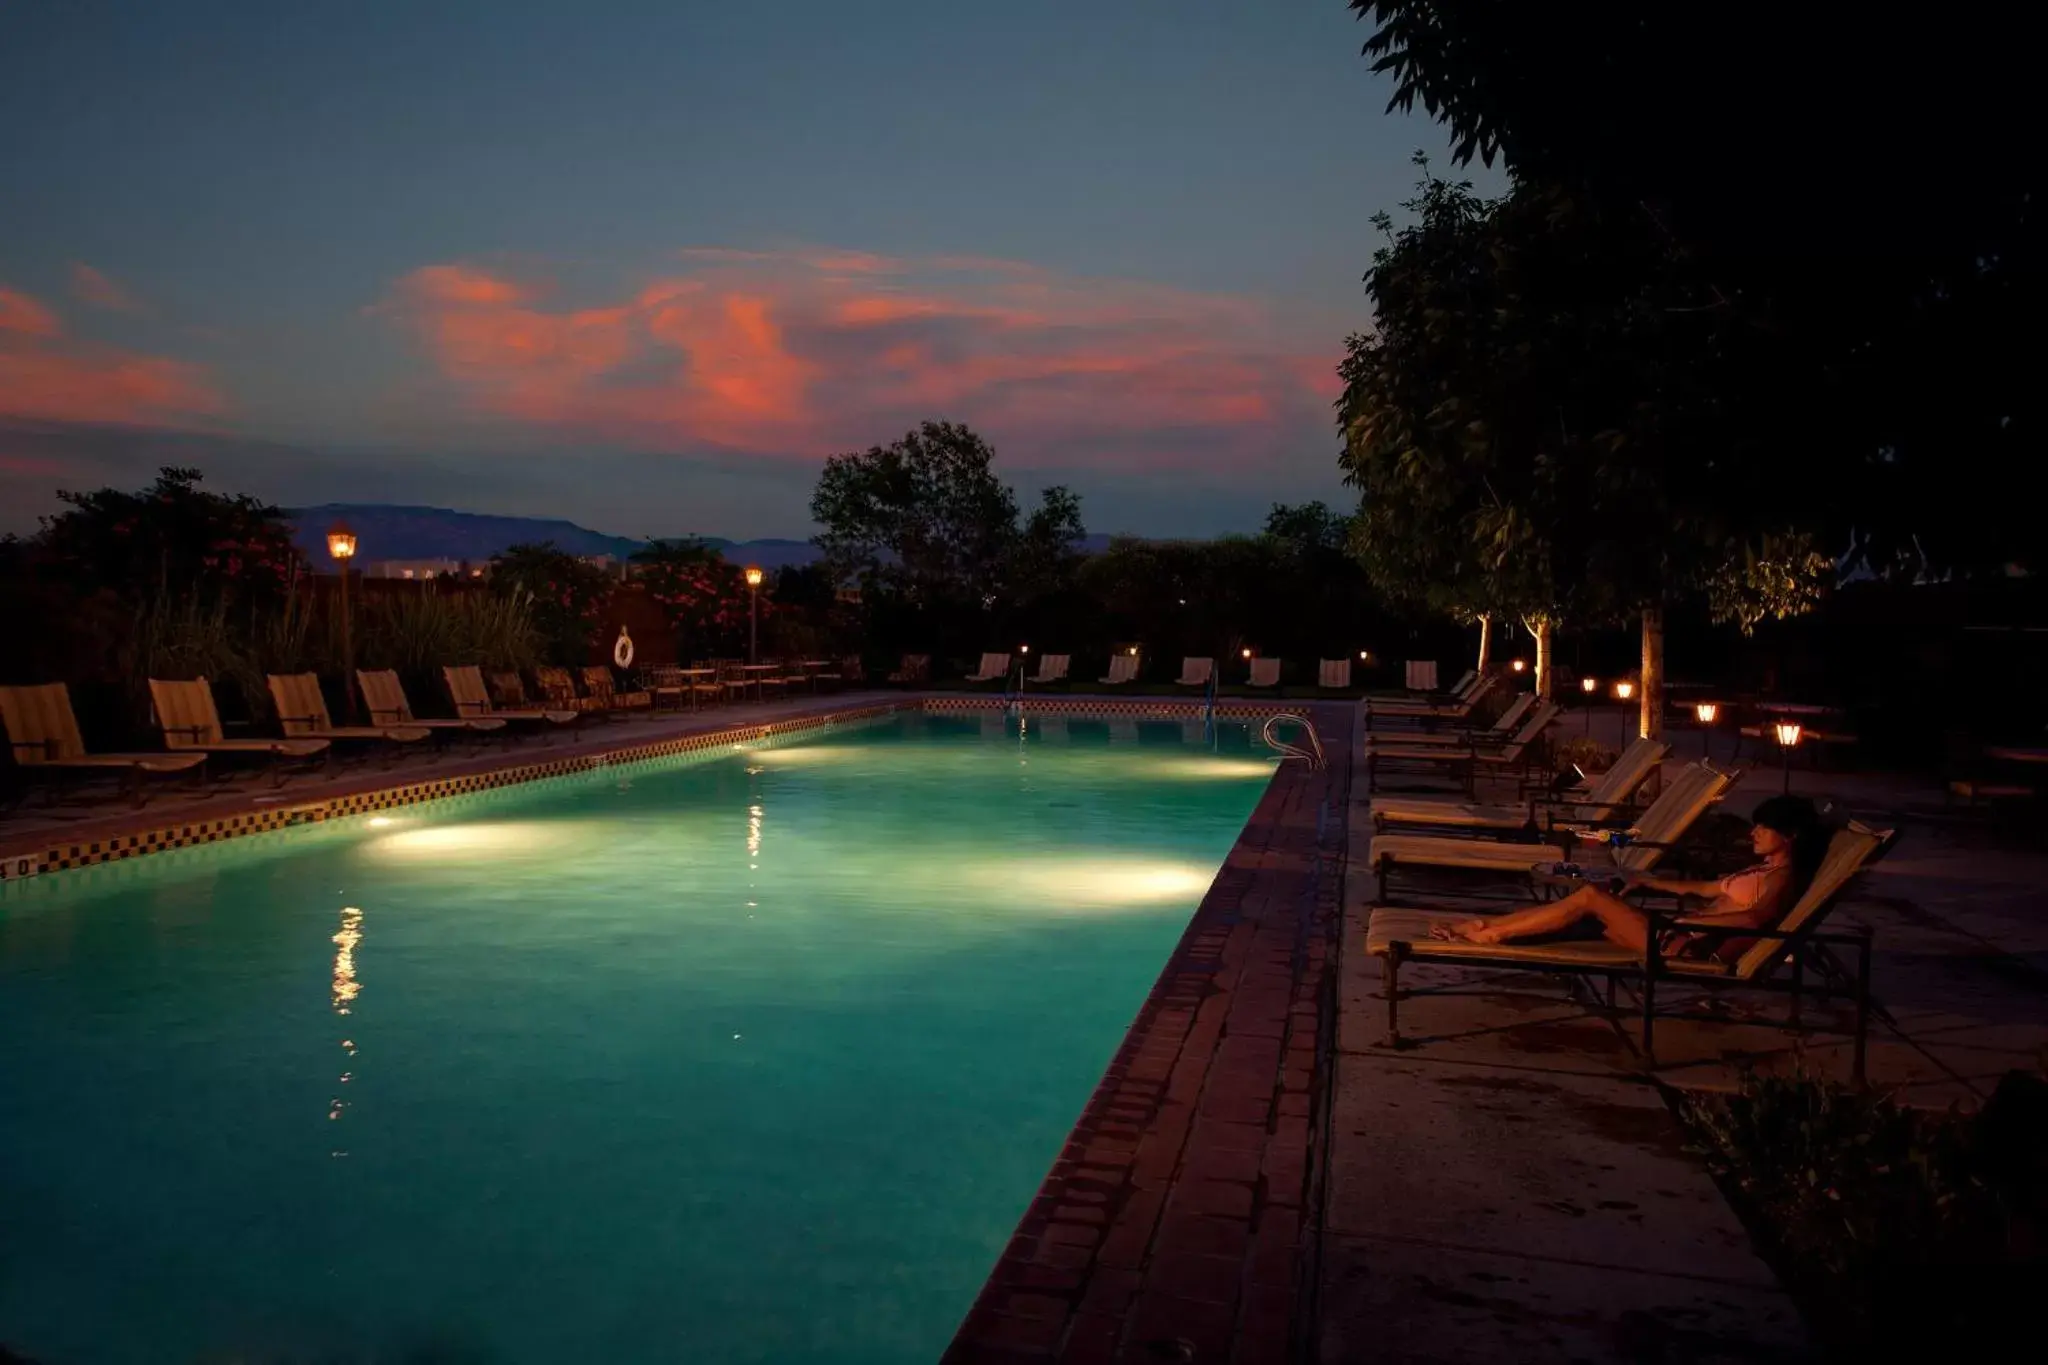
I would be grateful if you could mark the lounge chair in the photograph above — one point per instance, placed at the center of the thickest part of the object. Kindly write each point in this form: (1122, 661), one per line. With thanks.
(1052, 668)
(1458, 707)
(1264, 673)
(466, 690)
(1123, 668)
(384, 695)
(1403, 936)
(1195, 672)
(1499, 730)
(558, 685)
(599, 683)
(1461, 762)
(43, 733)
(302, 714)
(916, 668)
(994, 668)
(1592, 803)
(185, 712)
(846, 671)
(1638, 849)
(1334, 674)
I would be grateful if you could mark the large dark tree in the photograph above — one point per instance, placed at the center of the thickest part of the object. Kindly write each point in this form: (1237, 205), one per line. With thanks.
(1854, 205)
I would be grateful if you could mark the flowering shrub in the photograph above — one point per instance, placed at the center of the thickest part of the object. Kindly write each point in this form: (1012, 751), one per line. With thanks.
(568, 596)
(703, 596)
(173, 537)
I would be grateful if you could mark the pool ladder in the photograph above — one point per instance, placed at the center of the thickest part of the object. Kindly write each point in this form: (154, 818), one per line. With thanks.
(1312, 755)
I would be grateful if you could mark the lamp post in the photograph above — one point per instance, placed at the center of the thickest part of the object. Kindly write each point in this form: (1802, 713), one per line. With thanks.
(1705, 713)
(753, 613)
(341, 547)
(1588, 685)
(1788, 733)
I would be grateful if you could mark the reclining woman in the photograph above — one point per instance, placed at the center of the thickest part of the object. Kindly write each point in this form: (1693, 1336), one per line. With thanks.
(1790, 841)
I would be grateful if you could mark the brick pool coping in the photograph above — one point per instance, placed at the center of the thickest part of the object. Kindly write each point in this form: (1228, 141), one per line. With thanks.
(1178, 1223)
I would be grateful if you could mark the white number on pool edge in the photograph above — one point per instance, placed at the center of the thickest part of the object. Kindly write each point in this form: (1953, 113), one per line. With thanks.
(18, 866)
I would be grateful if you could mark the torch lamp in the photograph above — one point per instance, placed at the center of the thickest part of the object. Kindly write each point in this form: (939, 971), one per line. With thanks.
(1519, 664)
(1788, 733)
(1706, 713)
(753, 613)
(341, 547)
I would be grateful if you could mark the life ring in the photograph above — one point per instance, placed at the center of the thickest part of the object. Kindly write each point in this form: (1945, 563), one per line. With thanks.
(622, 649)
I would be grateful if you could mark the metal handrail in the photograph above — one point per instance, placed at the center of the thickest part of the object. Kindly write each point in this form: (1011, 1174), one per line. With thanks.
(1313, 755)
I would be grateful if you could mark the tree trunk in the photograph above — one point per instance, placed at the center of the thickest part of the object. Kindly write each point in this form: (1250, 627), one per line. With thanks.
(1651, 689)
(1485, 641)
(1544, 636)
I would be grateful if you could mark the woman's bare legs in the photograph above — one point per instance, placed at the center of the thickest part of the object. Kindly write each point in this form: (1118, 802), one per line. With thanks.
(1620, 922)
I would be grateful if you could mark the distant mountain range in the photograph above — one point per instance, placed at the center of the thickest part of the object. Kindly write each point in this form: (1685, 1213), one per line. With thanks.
(386, 531)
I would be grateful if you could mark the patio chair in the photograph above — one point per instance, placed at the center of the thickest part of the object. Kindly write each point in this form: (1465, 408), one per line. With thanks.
(1052, 668)
(558, 685)
(1334, 674)
(1402, 936)
(1264, 673)
(186, 714)
(466, 690)
(1637, 849)
(603, 689)
(994, 668)
(302, 714)
(1499, 730)
(384, 695)
(1458, 708)
(915, 669)
(846, 672)
(1594, 802)
(666, 683)
(1195, 672)
(1462, 762)
(1123, 668)
(43, 733)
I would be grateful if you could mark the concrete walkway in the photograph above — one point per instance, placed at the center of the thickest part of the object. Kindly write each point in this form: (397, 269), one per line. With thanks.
(1514, 1187)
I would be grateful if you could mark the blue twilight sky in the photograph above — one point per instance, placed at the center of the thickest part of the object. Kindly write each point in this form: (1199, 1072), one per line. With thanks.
(645, 264)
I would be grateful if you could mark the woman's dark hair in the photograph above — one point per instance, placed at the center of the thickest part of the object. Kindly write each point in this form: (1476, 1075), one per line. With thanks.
(1796, 818)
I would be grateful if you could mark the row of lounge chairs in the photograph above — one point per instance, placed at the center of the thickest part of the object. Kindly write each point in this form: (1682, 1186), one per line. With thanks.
(1422, 842)
(1332, 674)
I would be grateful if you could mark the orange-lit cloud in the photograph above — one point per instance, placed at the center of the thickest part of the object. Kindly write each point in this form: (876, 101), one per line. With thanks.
(102, 290)
(48, 376)
(805, 352)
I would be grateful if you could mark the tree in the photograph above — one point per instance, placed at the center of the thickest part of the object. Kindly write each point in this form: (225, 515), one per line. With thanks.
(927, 521)
(1875, 337)
(568, 596)
(703, 596)
(172, 537)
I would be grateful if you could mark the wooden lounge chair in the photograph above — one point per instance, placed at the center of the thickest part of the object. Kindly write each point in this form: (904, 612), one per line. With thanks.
(558, 685)
(1123, 668)
(1195, 672)
(1052, 668)
(185, 712)
(1595, 802)
(1462, 762)
(1403, 936)
(43, 733)
(1334, 674)
(1499, 730)
(994, 668)
(916, 669)
(1457, 708)
(302, 714)
(466, 690)
(1638, 849)
(603, 689)
(1264, 673)
(384, 695)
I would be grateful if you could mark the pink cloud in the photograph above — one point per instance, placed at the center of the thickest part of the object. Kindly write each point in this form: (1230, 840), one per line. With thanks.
(804, 352)
(48, 376)
(102, 290)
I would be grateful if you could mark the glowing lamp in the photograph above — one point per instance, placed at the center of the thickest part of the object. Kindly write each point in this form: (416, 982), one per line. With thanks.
(1132, 651)
(1705, 712)
(1788, 732)
(1624, 690)
(341, 541)
(1365, 655)
(753, 575)
(1247, 654)
(1518, 665)
(1023, 649)
(1589, 685)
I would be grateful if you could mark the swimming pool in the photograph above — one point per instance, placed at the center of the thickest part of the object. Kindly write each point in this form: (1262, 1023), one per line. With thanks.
(754, 1057)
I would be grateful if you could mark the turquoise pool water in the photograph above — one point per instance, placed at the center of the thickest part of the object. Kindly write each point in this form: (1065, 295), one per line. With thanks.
(751, 1058)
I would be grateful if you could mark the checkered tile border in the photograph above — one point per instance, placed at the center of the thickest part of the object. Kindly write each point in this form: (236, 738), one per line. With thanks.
(1161, 707)
(186, 834)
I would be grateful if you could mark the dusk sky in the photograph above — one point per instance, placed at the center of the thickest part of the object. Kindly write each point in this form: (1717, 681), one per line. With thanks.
(644, 265)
